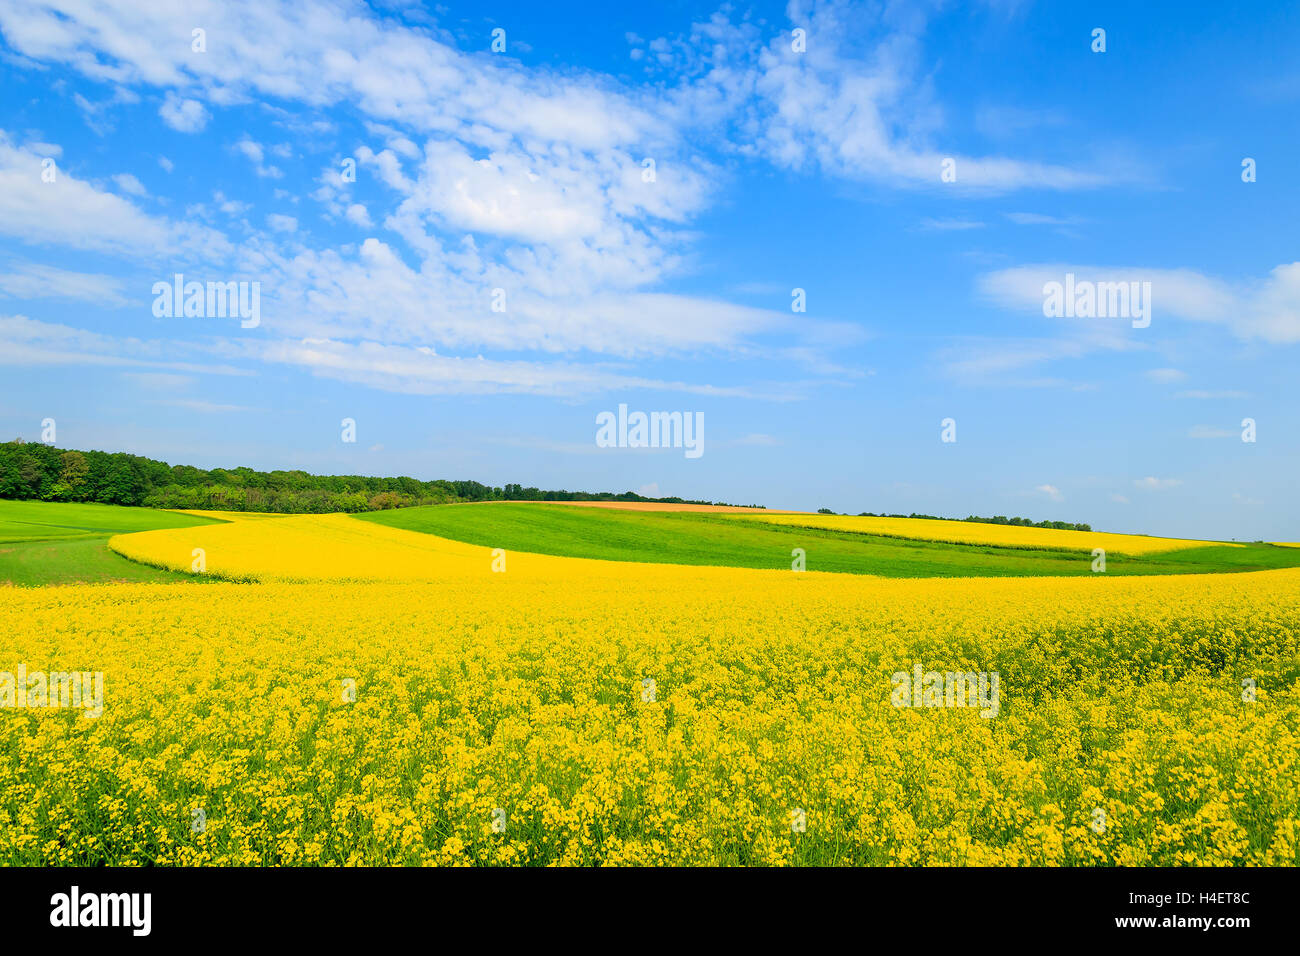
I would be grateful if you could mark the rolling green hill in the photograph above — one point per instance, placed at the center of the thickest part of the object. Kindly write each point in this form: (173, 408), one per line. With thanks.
(45, 542)
(63, 543)
(701, 538)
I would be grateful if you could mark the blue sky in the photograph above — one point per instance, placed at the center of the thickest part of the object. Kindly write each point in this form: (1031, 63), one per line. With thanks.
(523, 171)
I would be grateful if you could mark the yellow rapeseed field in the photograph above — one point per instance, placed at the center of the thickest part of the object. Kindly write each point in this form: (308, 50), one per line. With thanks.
(333, 547)
(228, 515)
(974, 532)
(406, 704)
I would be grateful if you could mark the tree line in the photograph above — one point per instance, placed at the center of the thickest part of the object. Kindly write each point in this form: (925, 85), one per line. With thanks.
(31, 470)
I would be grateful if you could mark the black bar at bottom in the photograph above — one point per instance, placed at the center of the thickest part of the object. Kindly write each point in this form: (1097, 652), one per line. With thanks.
(944, 905)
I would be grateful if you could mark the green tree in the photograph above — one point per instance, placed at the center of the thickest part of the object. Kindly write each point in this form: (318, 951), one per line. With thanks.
(74, 474)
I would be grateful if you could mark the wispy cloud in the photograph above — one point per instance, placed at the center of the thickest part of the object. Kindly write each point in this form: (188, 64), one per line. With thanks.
(1211, 431)
(951, 225)
(29, 280)
(207, 408)
(1051, 491)
(1212, 394)
(1039, 219)
(1265, 308)
(1151, 483)
(73, 213)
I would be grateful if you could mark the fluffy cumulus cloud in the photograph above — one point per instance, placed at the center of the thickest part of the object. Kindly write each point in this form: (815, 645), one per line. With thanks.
(523, 209)
(460, 300)
(185, 116)
(528, 216)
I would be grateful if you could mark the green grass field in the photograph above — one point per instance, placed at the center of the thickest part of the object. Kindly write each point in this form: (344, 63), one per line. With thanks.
(57, 543)
(717, 539)
(61, 543)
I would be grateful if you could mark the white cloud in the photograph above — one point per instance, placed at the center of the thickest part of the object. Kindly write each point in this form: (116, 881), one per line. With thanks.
(1212, 394)
(43, 149)
(206, 407)
(586, 223)
(386, 163)
(231, 207)
(951, 225)
(185, 116)
(99, 116)
(33, 281)
(447, 302)
(991, 361)
(1038, 219)
(255, 154)
(1051, 491)
(129, 184)
(401, 369)
(1265, 308)
(421, 371)
(160, 381)
(502, 195)
(1165, 376)
(856, 104)
(1151, 483)
(500, 176)
(415, 370)
(71, 212)
(29, 342)
(323, 53)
